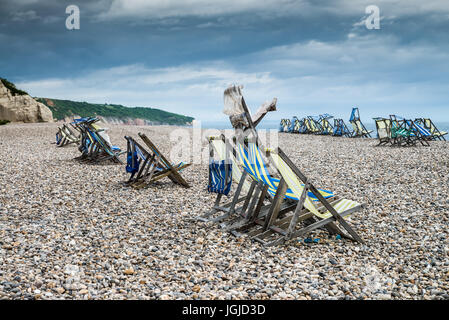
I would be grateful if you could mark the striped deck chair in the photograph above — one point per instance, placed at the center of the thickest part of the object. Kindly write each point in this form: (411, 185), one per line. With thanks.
(360, 130)
(430, 127)
(66, 136)
(253, 163)
(406, 133)
(383, 127)
(324, 212)
(149, 166)
(303, 126)
(219, 146)
(295, 125)
(314, 126)
(434, 130)
(102, 148)
(325, 124)
(340, 129)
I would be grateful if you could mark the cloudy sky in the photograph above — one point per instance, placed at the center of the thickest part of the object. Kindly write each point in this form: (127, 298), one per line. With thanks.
(179, 55)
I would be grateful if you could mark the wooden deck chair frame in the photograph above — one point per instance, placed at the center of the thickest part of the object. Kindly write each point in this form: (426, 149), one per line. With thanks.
(229, 208)
(340, 125)
(314, 126)
(155, 166)
(359, 128)
(383, 127)
(326, 125)
(429, 125)
(272, 225)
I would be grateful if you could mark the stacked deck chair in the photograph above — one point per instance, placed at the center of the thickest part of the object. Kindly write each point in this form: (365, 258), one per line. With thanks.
(303, 126)
(313, 125)
(221, 148)
(283, 126)
(360, 130)
(95, 144)
(147, 165)
(66, 136)
(405, 133)
(430, 126)
(294, 199)
(325, 124)
(294, 125)
(340, 129)
(383, 127)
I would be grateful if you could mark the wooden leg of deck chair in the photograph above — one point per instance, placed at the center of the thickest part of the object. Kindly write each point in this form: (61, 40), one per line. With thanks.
(320, 197)
(243, 211)
(277, 201)
(235, 199)
(254, 209)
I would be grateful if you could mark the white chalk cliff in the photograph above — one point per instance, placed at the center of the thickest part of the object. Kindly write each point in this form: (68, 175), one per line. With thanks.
(22, 108)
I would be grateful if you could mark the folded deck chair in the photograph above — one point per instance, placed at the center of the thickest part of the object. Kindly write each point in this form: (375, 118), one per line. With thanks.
(303, 126)
(285, 125)
(95, 144)
(405, 132)
(148, 165)
(219, 146)
(325, 124)
(434, 130)
(430, 127)
(340, 129)
(313, 125)
(294, 125)
(360, 130)
(383, 127)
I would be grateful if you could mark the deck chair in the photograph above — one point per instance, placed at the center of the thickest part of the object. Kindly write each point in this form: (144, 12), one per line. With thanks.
(66, 136)
(295, 125)
(221, 148)
(96, 145)
(303, 126)
(314, 126)
(360, 130)
(148, 165)
(272, 228)
(286, 125)
(401, 133)
(383, 127)
(430, 126)
(303, 190)
(325, 124)
(340, 129)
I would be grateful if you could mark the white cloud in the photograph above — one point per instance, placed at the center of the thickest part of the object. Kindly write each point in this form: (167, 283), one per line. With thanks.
(314, 77)
(178, 8)
(146, 10)
(22, 16)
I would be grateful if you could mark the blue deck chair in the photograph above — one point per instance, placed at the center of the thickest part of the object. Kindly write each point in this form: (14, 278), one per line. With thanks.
(148, 166)
(220, 177)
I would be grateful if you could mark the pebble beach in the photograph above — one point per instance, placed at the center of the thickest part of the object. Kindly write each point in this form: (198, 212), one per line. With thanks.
(70, 230)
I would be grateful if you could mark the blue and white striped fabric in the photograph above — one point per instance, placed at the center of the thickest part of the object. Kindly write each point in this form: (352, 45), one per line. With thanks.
(220, 177)
(423, 131)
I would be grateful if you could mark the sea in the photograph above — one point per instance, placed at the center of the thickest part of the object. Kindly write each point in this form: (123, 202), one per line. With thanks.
(269, 124)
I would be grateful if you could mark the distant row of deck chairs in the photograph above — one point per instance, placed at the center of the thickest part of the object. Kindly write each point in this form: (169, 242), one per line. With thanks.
(321, 125)
(145, 165)
(401, 132)
(270, 207)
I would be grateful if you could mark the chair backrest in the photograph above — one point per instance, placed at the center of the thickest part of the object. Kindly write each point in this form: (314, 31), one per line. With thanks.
(220, 148)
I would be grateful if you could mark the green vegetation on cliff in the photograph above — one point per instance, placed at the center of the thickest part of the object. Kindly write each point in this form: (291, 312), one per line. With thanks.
(12, 88)
(67, 108)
